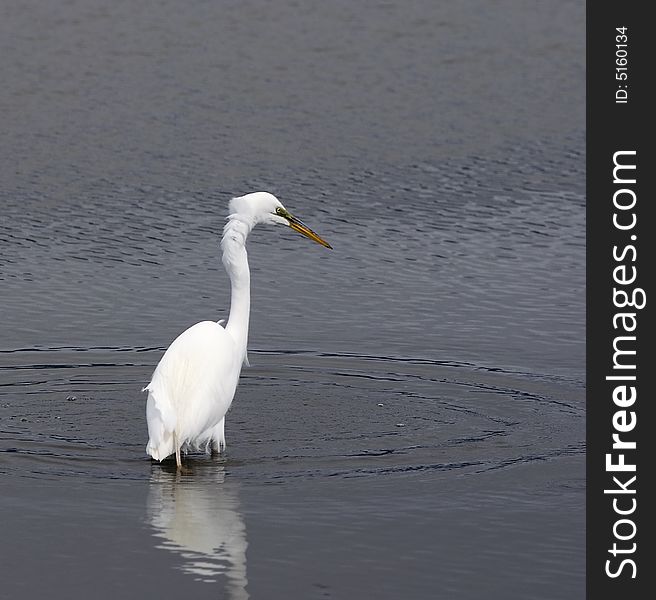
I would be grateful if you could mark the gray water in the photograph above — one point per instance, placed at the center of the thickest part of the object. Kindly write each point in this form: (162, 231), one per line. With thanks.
(412, 425)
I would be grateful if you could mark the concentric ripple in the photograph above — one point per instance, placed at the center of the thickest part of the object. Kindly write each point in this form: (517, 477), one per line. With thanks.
(296, 415)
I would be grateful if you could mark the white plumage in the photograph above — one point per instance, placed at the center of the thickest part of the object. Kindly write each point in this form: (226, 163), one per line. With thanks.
(195, 381)
(189, 374)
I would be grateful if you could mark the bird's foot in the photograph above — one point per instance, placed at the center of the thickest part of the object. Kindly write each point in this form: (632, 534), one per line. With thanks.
(183, 470)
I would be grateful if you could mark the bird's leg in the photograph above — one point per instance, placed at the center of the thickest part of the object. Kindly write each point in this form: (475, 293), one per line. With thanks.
(178, 460)
(182, 470)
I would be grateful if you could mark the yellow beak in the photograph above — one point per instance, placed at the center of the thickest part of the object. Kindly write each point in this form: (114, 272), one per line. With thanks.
(303, 229)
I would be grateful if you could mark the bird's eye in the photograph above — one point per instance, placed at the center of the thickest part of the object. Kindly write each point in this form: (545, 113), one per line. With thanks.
(280, 211)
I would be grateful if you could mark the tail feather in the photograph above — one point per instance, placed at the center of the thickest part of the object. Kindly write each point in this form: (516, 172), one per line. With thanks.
(161, 425)
(218, 436)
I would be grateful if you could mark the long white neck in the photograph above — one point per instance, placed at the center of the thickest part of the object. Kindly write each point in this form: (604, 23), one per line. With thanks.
(235, 261)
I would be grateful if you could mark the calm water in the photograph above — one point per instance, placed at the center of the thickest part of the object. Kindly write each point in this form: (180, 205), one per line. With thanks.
(413, 422)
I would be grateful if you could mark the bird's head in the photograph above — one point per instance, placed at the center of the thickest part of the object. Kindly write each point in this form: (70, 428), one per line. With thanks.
(263, 207)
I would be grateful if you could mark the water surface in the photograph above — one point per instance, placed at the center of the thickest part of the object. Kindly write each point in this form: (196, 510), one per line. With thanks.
(413, 422)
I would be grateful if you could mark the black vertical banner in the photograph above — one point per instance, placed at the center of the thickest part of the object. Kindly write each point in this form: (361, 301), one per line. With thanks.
(621, 352)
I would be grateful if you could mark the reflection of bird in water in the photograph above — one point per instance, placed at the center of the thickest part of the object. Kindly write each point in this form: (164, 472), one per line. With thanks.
(198, 518)
(194, 383)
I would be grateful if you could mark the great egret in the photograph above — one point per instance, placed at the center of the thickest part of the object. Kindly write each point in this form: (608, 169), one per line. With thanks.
(194, 383)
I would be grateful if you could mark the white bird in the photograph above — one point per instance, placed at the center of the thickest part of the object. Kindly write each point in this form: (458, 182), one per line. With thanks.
(194, 383)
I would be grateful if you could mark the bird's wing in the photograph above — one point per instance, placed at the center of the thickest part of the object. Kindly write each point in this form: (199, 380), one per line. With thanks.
(193, 384)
